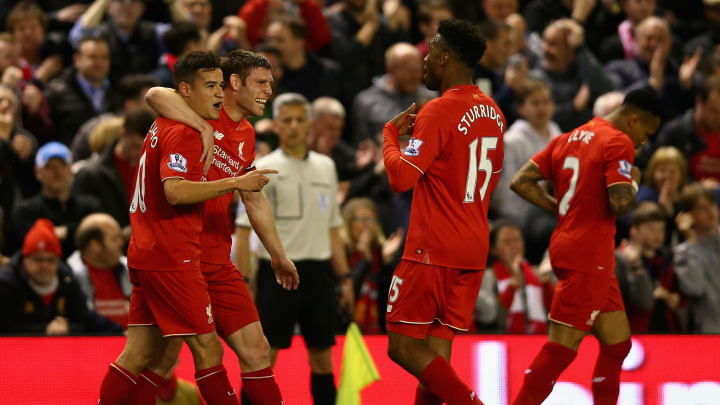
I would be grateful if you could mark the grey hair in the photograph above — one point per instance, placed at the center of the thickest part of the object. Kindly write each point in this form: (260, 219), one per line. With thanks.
(290, 99)
(327, 106)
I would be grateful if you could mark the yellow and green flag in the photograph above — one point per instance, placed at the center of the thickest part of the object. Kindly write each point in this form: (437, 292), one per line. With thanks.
(358, 368)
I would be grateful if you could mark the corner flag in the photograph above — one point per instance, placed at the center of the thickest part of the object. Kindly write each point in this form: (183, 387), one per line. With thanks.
(358, 368)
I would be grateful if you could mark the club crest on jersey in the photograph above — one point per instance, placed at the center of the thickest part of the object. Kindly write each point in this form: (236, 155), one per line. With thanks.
(625, 168)
(413, 147)
(178, 163)
(240, 148)
(218, 135)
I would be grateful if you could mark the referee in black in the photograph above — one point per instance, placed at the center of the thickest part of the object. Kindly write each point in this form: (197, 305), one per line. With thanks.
(307, 216)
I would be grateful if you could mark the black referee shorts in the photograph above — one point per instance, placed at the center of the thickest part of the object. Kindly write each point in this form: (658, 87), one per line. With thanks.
(313, 305)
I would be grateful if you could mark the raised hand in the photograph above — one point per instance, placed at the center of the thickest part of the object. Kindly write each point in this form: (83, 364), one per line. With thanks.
(405, 120)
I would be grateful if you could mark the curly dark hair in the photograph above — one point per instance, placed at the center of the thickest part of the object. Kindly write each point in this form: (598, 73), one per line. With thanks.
(241, 63)
(463, 39)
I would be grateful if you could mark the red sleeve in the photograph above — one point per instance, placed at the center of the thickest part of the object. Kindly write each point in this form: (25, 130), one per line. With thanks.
(254, 13)
(180, 151)
(405, 168)
(619, 155)
(543, 159)
(318, 33)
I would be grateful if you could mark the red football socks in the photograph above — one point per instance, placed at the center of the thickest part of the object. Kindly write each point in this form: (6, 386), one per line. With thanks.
(440, 379)
(167, 388)
(215, 387)
(147, 388)
(542, 373)
(425, 397)
(117, 386)
(261, 388)
(606, 377)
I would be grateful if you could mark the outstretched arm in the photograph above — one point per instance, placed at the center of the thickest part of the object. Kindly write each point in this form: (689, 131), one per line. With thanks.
(180, 191)
(525, 184)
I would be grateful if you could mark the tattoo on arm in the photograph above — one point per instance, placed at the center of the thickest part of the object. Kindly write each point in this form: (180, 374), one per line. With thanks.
(622, 198)
(525, 184)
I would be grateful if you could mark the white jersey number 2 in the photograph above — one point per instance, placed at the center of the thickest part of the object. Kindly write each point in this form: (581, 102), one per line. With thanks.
(572, 163)
(484, 166)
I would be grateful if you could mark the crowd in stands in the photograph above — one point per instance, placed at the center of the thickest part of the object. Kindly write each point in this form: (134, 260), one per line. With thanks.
(73, 116)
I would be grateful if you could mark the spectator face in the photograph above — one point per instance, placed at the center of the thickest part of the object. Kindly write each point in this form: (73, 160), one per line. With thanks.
(557, 54)
(292, 125)
(92, 60)
(126, 13)
(498, 10)
(132, 145)
(113, 242)
(29, 33)
(252, 96)
(667, 173)
(638, 10)
(436, 15)
(538, 108)
(280, 36)
(406, 72)
(517, 32)
(277, 70)
(327, 130)
(205, 94)
(705, 215)
(650, 235)
(55, 177)
(363, 221)
(7, 101)
(509, 244)
(9, 55)
(498, 50)
(650, 35)
(41, 267)
(201, 12)
(708, 112)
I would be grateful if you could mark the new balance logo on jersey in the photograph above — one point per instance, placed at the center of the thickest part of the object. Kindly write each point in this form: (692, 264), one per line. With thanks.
(593, 315)
(218, 135)
(208, 309)
(178, 163)
(413, 148)
(625, 168)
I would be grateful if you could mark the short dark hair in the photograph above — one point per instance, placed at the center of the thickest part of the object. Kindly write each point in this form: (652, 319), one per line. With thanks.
(295, 24)
(267, 47)
(24, 10)
(645, 99)
(426, 7)
(707, 86)
(491, 29)
(91, 38)
(241, 63)
(87, 235)
(497, 226)
(138, 121)
(691, 194)
(463, 39)
(188, 66)
(131, 86)
(647, 211)
(179, 35)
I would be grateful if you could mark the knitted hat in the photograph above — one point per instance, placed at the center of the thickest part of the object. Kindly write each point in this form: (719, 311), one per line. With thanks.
(41, 237)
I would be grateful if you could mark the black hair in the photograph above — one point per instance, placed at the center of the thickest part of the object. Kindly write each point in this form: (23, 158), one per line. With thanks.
(491, 29)
(91, 38)
(497, 226)
(188, 66)
(179, 35)
(138, 121)
(87, 235)
(267, 47)
(241, 63)
(463, 39)
(131, 86)
(645, 99)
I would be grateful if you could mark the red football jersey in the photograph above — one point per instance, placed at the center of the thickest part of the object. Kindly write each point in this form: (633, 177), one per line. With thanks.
(457, 145)
(165, 237)
(234, 155)
(583, 164)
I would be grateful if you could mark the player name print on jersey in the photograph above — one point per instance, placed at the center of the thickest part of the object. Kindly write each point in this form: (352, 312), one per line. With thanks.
(581, 136)
(477, 112)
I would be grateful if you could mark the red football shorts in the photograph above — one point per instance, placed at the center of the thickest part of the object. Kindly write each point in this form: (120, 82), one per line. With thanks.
(232, 304)
(175, 301)
(431, 300)
(580, 297)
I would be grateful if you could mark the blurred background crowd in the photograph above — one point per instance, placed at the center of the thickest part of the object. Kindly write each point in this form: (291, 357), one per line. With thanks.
(73, 116)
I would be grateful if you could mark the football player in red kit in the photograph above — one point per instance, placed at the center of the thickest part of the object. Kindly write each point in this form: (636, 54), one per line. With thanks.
(453, 160)
(595, 180)
(247, 89)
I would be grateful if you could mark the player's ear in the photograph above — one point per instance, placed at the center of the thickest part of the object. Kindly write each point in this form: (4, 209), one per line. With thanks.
(184, 89)
(235, 82)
